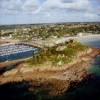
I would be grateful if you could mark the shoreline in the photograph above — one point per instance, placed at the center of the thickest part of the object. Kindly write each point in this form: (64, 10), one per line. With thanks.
(88, 58)
(70, 74)
(58, 80)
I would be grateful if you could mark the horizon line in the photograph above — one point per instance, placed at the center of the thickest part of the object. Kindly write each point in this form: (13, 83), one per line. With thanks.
(50, 23)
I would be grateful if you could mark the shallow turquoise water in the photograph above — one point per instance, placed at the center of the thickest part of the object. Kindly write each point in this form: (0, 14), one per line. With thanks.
(95, 69)
(94, 43)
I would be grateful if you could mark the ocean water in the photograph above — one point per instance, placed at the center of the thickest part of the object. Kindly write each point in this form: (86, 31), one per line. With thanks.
(91, 42)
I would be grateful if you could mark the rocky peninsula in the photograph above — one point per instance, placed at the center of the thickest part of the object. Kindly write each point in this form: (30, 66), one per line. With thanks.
(55, 82)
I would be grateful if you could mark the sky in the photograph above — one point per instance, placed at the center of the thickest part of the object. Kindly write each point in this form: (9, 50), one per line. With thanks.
(48, 11)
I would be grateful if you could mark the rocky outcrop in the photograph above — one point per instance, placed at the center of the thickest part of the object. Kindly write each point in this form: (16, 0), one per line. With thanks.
(56, 82)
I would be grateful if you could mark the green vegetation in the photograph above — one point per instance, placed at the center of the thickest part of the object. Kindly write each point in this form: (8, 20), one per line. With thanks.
(58, 55)
(45, 31)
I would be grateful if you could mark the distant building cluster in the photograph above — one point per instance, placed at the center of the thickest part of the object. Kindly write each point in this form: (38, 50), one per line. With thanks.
(29, 32)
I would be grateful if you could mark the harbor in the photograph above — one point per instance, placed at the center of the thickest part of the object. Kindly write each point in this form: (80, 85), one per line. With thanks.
(16, 51)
